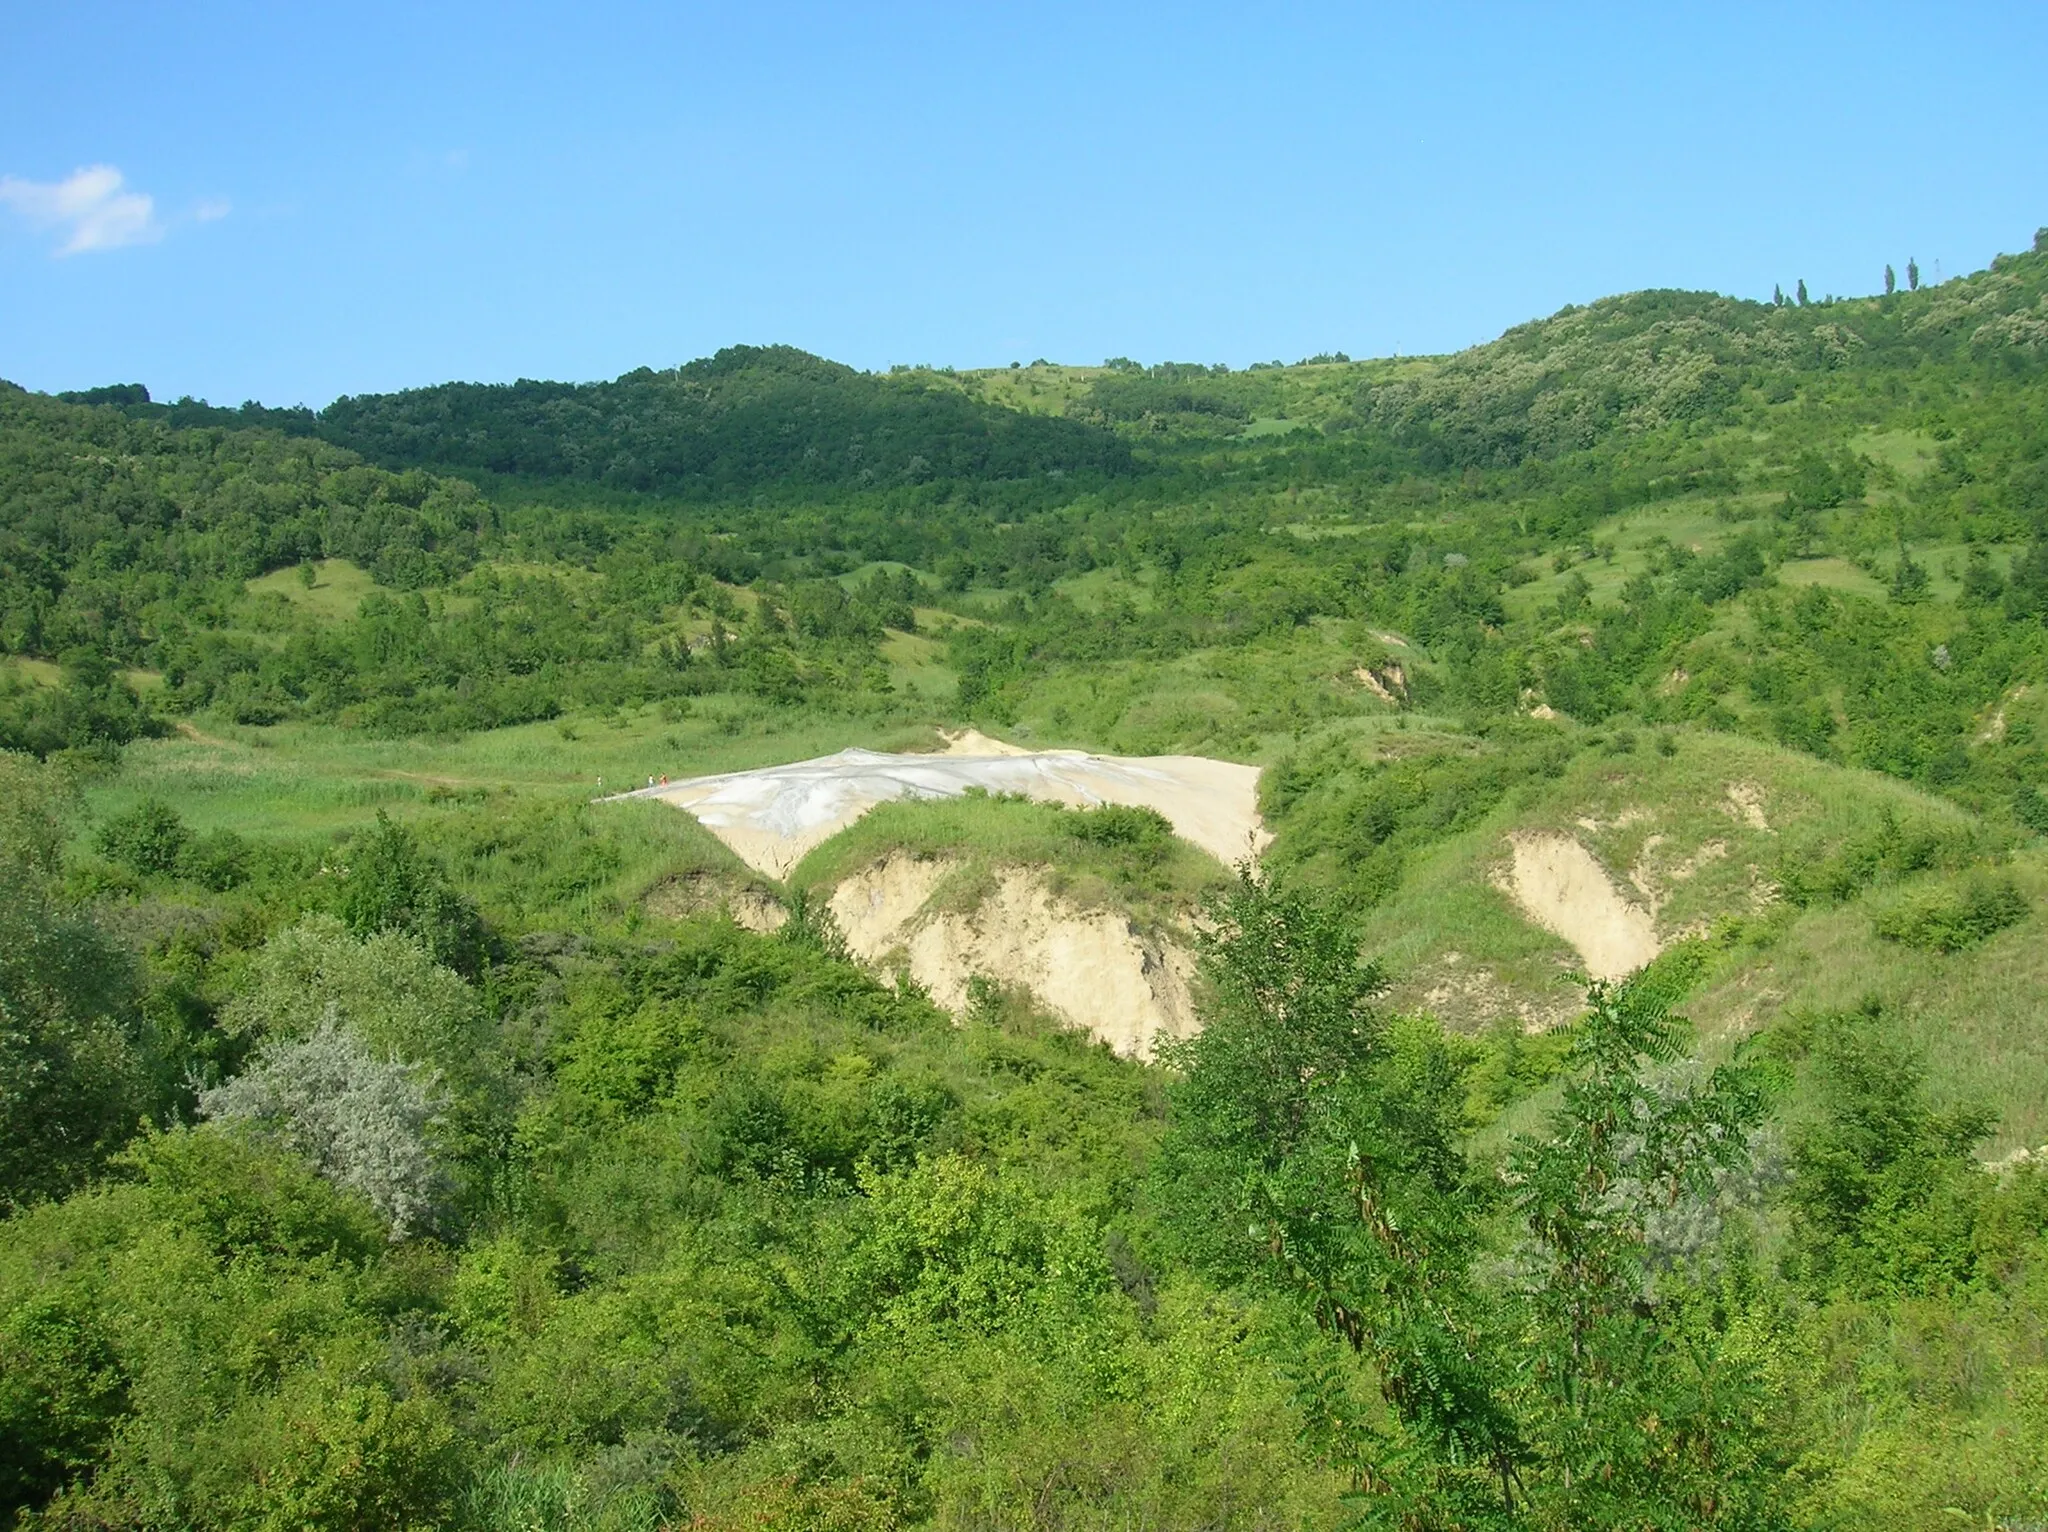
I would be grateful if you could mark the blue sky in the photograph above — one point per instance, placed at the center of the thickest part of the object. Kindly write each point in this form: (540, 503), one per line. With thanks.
(294, 202)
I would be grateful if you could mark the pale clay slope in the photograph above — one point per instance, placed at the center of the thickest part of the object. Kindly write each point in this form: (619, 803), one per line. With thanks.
(1560, 886)
(771, 818)
(1090, 967)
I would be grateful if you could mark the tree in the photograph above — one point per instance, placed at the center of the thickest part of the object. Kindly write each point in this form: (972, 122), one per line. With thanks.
(150, 838)
(94, 711)
(215, 1341)
(1982, 583)
(1303, 1153)
(1777, 295)
(363, 1123)
(1891, 280)
(1802, 292)
(1312, 1147)
(74, 1053)
(37, 802)
(398, 1002)
(1912, 275)
(1886, 1187)
(73, 1076)
(2026, 590)
(1910, 580)
(1648, 1407)
(390, 884)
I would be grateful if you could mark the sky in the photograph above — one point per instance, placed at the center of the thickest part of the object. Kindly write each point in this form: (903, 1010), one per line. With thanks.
(293, 202)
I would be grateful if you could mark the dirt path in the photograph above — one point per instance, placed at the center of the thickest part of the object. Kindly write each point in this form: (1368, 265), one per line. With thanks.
(192, 732)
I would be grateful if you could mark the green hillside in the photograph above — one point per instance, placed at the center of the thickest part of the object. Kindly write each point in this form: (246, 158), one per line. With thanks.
(392, 1135)
(749, 418)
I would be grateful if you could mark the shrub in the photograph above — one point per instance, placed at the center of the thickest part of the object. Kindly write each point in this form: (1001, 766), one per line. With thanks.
(219, 861)
(2031, 809)
(1886, 1192)
(392, 885)
(73, 1079)
(1953, 919)
(1887, 852)
(36, 802)
(398, 1001)
(1121, 824)
(363, 1123)
(150, 839)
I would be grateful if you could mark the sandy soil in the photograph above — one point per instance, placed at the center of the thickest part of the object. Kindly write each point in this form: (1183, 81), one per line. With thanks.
(773, 817)
(1089, 966)
(974, 742)
(1746, 803)
(1560, 886)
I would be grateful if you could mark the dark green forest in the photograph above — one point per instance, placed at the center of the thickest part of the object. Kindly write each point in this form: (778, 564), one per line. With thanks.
(371, 1161)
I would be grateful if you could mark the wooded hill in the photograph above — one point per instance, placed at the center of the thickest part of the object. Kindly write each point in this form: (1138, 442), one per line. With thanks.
(390, 1136)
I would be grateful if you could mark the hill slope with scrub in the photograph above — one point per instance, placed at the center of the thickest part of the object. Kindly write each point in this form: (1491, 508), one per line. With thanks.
(394, 1135)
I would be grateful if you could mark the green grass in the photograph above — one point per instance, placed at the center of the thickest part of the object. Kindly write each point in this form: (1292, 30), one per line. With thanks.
(1249, 703)
(1157, 882)
(1266, 425)
(1623, 545)
(1457, 946)
(41, 672)
(1907, 453)
(1093, 591)
(1832, 573)
(918, 669)
(1666, 828)
(855, 577)
(1312, 531)
(1043, 390)
(1975, 1014)
(338, 589)
(1945, 563)
(305, 782)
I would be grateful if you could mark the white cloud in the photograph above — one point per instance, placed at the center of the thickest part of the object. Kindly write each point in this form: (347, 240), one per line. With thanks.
(90, 208)
(211, 209)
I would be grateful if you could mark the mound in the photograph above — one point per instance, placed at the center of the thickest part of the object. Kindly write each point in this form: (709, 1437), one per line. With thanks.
(772, 817)
(1092, 967)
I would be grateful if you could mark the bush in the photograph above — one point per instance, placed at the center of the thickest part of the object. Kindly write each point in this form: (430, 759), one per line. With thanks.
(149, 839)
(36, 804)
(1886, 853)
(2031, 809)
(73, 1077)
(219, 861)
(1886, 1194)
(1952, 919)
(1121, 824)
(396, 999)
(363, 1123)
(392, 885)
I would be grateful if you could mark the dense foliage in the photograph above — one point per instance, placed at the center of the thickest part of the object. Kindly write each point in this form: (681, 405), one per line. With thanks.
(722, 1231)
(377, 1169)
